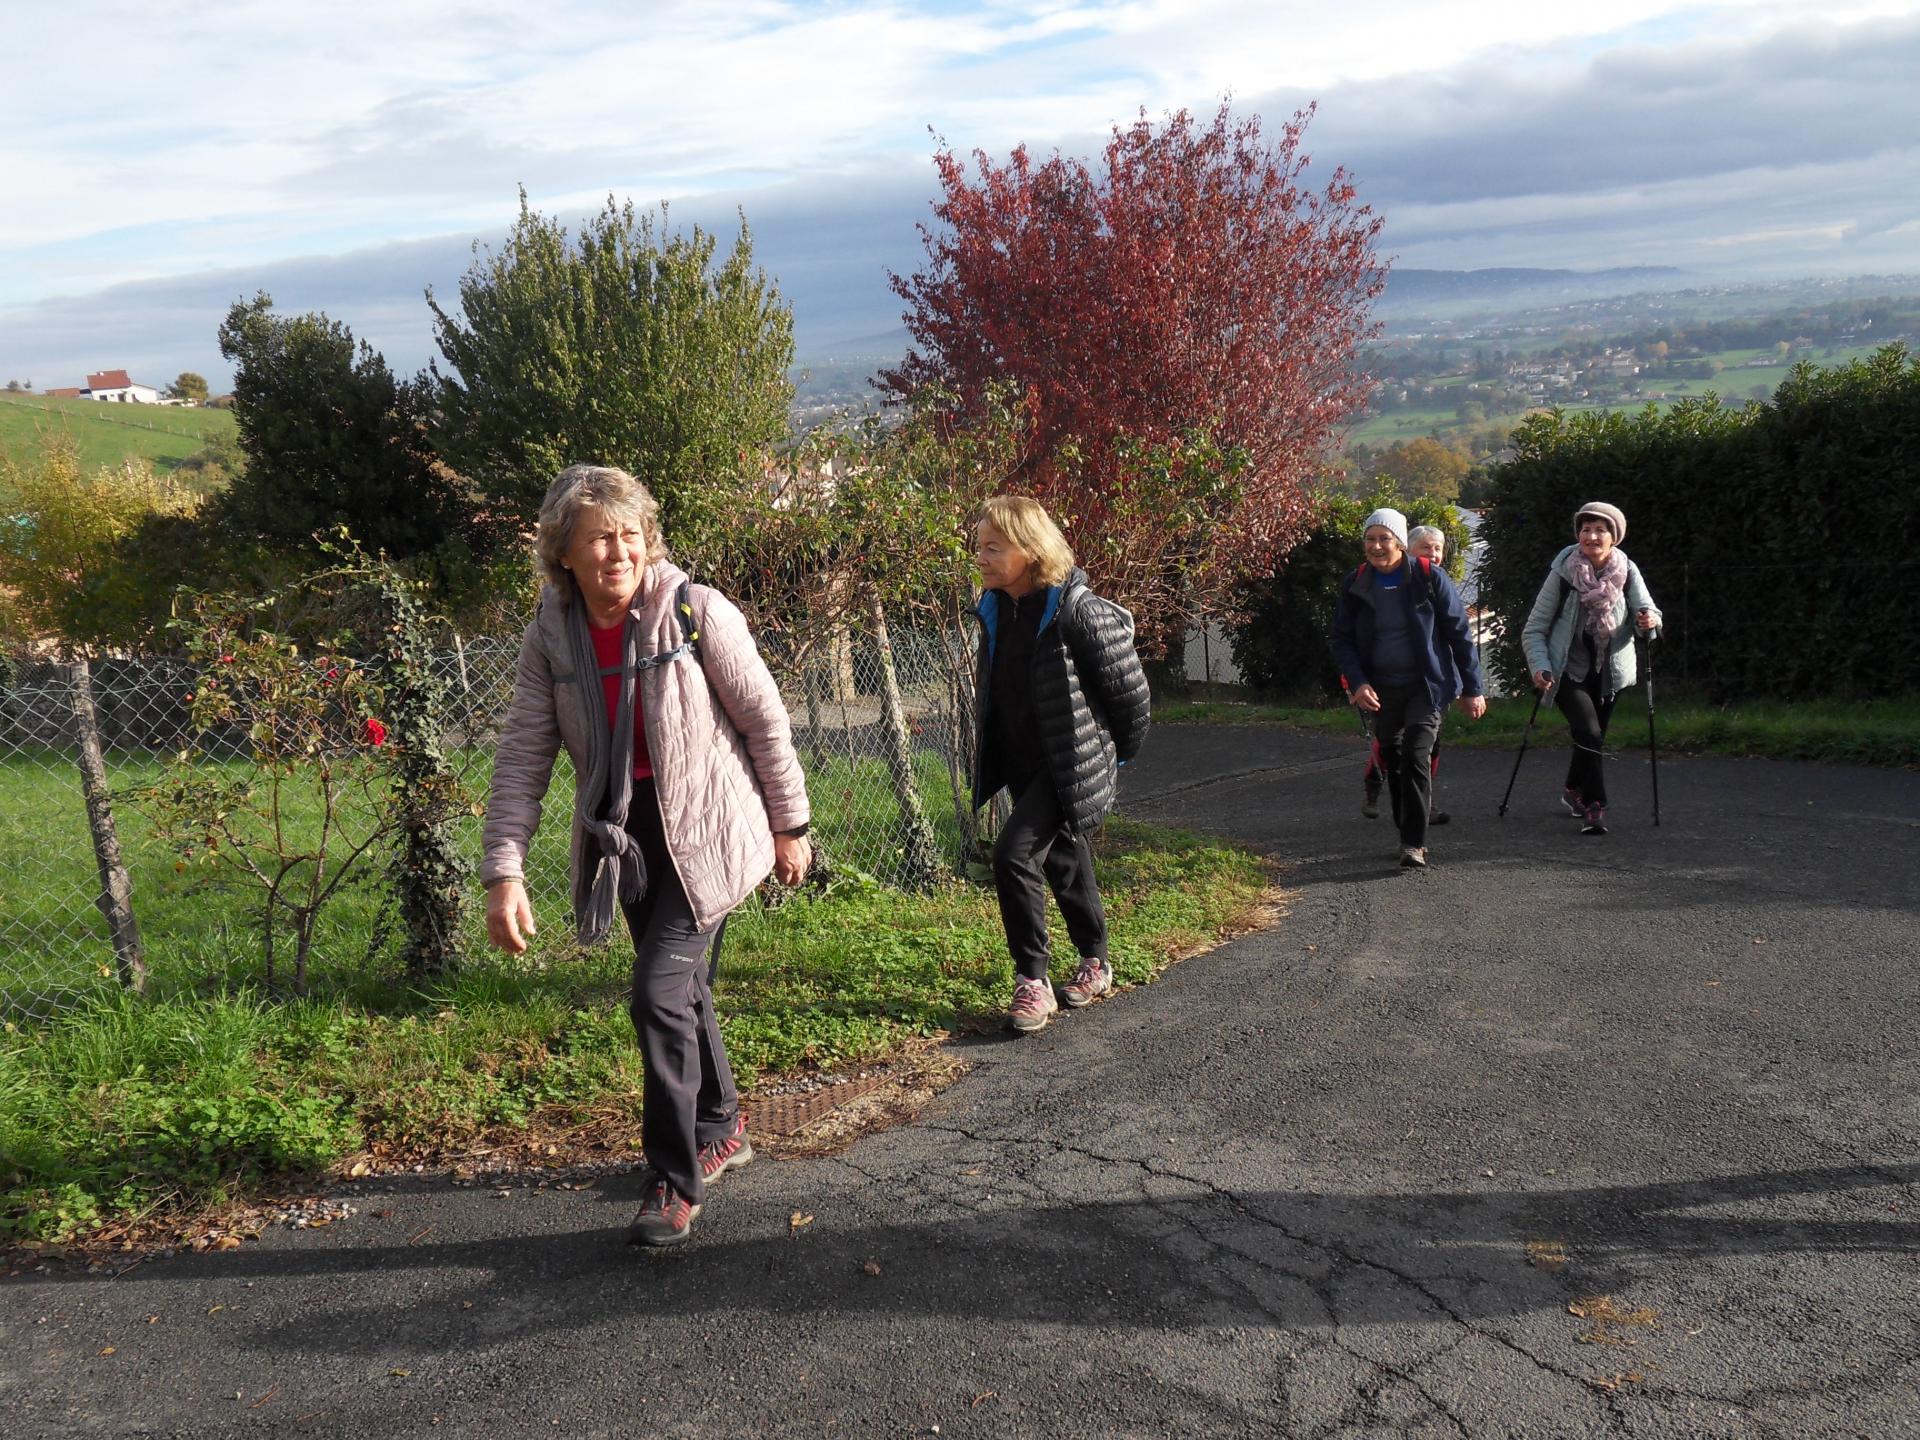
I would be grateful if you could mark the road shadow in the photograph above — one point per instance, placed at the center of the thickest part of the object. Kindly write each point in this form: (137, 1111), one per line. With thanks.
(1271, 1258)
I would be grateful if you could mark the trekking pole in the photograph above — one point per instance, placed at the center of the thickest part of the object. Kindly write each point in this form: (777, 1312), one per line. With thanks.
(1653, 744)
(1525, 735)
(1366, 720)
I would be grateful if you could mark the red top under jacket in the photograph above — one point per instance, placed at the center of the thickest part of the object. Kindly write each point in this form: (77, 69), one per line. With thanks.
(606, 649)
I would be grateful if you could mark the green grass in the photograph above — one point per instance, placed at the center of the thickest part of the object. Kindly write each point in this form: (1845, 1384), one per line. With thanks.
(106, 434)
(200, 927)
(121, 1106)
(1869, 732)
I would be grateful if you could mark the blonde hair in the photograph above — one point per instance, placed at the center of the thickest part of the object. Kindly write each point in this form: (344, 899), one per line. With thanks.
(1028, 527)
(614, 493)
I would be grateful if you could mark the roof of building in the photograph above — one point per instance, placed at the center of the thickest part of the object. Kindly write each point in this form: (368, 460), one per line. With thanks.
(109, 380)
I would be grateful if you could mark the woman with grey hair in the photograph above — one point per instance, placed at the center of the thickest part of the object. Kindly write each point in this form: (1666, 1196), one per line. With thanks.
(687, 792)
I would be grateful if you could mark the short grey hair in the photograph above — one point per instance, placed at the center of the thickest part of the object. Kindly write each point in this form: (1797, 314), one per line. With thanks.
(1427, 532)
(615, 493)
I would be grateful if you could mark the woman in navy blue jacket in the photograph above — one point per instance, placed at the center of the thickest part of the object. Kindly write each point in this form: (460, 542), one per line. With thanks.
(1400, 638)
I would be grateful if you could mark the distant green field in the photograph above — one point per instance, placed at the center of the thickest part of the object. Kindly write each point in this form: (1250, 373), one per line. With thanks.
(1734, 385)
(106, 434)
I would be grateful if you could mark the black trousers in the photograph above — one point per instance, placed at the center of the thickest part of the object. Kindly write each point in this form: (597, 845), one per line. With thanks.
(1406, 728)
(687, 1093)
(1036, 853)
(1587, 713)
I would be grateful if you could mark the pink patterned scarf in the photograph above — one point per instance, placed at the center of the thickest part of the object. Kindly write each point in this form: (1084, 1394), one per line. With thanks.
(1599, 592)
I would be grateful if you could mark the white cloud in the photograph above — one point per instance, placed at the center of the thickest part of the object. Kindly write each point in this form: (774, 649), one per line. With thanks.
(172, 139)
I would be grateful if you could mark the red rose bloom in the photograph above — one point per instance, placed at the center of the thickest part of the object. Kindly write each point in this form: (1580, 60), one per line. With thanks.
(376, 732)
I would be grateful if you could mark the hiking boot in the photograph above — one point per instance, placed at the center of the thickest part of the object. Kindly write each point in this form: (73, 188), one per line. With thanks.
(666, 1216)
(1093, 979)
(1438, 817)
(1576, 803)
(1370, 802)
(1413, 857)
(1033, 1005)
(1596, 820)
(719, 1156)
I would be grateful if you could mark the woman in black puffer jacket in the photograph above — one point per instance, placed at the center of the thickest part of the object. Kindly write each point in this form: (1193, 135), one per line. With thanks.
(1062, 703)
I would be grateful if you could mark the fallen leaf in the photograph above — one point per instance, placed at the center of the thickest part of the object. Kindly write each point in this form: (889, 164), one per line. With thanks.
(1606, 1314)
(1619, 1378)
(215, 1309)
(359, 1169)
(1713, 984)
(107, 1350)
(872, 1267)
(798, 1219)
(466, 1304)
(399, 1373)
(153, 1319)
(1547, 1254)
(227, 1242)
(984, 1396)
(1759, 939)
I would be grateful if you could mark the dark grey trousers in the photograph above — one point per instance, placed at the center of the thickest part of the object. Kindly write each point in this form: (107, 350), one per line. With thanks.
(1406, 729)
(1033, 854)
(687, 1096)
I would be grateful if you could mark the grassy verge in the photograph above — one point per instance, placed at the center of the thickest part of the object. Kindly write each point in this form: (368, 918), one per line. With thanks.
(121, 1108)
(1871, 732)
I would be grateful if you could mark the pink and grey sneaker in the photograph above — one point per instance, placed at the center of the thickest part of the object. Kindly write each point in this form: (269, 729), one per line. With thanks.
(1575, 802)
(1596, 818)
(1033, 1005)
(719, 1156)
(1093, 979)
(666, 1216)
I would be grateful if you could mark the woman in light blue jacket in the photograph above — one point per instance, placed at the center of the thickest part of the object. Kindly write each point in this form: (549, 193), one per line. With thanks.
(1577, 634)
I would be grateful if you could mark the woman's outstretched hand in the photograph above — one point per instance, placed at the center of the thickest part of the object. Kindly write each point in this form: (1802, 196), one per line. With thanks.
(509, 916)
(792, 858)
(1542, 679)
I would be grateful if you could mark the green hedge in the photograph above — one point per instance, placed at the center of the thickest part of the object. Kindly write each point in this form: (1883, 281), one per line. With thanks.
(1771, 536)
(1281, 646)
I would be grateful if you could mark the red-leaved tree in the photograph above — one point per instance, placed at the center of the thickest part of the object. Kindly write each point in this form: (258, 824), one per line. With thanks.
(1181, 329)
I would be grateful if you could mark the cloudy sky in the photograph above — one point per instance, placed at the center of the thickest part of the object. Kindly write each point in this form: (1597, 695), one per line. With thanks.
(162, 159)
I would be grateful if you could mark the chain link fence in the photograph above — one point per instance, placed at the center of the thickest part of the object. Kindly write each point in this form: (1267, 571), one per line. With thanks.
(882, 725)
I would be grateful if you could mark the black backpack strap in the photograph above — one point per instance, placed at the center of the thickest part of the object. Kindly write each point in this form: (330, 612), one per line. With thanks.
(689, 632)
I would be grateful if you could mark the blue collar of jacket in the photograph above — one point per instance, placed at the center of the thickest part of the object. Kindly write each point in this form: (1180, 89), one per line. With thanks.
(988, 609)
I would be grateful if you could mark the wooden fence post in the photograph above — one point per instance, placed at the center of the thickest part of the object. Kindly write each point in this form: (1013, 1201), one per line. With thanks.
(116, 888)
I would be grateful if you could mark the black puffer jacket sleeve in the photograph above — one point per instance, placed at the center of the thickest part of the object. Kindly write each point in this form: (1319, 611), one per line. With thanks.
(1101, 636)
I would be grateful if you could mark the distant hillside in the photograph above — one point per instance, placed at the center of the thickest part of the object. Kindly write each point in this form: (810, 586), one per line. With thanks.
(106, 434)
(1434, 291)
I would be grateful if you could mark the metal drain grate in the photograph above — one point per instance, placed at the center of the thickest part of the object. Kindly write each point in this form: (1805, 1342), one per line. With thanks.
(790, 1114)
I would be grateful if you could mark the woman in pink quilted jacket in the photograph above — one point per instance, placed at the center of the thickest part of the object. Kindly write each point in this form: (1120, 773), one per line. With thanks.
(687, 792)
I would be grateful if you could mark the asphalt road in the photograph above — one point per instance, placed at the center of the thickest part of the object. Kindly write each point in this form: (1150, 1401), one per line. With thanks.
(1315, 1183)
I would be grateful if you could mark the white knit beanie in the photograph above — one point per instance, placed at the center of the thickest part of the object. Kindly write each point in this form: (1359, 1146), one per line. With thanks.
(1392, 519)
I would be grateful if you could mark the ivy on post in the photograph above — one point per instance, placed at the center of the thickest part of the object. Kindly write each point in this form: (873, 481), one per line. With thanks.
(432, 875)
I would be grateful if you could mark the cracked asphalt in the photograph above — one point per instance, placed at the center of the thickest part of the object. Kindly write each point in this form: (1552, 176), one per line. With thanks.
(1342, 1178)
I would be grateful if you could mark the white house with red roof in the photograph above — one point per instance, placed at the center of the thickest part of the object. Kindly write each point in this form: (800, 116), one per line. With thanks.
(116, 385)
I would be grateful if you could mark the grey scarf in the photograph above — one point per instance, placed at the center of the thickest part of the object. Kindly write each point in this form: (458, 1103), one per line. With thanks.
(611, 867)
